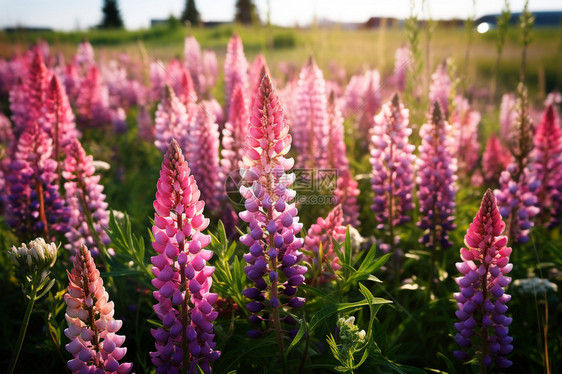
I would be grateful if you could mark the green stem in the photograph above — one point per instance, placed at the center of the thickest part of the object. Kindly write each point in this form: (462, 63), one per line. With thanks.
(23, 329)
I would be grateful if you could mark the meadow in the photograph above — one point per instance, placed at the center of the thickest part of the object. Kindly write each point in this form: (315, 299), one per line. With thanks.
(369, 204)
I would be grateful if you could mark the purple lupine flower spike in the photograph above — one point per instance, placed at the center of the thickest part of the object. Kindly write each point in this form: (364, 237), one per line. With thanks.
(183, 278)
(547, 161)
(310, 125)
(346, 190)
(392, 160)
(35, 206)
(235, 69)
(436, 181)
(272, 218)
(483, 327)
(85, 198)
(517, 199)
(95, 345)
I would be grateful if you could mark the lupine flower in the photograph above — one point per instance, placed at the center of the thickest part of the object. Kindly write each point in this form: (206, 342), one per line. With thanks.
(346, 190)
(202, 153)
(507, 114)
(319, 240)
(210, 69)
(194, 63)
(58, 119)
(146, 130)
(183, 279)
(494, 159)
(547, 163)
(440, 89)
(185, 90)
(235, 69)
(171, 122)
(71, 80)
(402, 58)
(92, 330)
(157, 77)
(481, 302)
(363, 100)
(233, 139)
(28, 98)
(37, 256)
(517, 199)
(310, 124)
(35, 260)
(89, 217)
(85, 57)
(392, 160)
(465, 146)
(436, 181)
(35, 206)
(93, 101)
(272, 218)
(257, 71)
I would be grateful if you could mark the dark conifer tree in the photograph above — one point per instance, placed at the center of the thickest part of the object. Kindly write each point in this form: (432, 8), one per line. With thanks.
(190, 13)
(111, 16)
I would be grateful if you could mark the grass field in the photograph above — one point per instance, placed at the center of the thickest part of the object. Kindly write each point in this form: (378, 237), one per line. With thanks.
(350, 49)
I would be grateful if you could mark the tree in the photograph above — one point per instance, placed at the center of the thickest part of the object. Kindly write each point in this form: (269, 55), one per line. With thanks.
(190, 13)
(111, 16)
(246, 12)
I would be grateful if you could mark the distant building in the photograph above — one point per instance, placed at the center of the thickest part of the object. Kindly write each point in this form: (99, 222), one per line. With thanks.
(542, 19)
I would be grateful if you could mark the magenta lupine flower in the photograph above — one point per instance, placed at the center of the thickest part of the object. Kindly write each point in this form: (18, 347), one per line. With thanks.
(210, 69)
(171, 121)
(28, 98)
(402, 58)
(183, 279)
(71, 79)
(392, 160)
(85, 198)
(346, 194)
(483, 327)
(58, 119)
(257, 71)
(547, 163)
(272, 218)
(436, 181)
(146, 130)
(235, 69)
(465, 146)
(202, 153)
(346, 190)
(325, 261)
(364, 103)
(85, 57)
(508, 114)
(194, 63)
(233, 140)
(185, 90)
(494, 159)
(93, 101)
(310, 124)
(92, 329)
(517, 199)
(35, 207)
(440, 89)
(157, 77)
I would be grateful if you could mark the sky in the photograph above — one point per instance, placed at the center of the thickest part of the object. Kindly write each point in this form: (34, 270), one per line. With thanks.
(82, 14)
